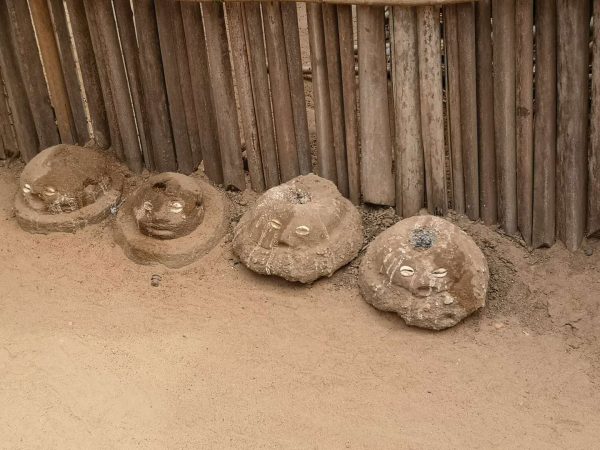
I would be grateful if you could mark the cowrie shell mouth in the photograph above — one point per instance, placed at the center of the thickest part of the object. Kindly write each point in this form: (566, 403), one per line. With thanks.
(439, 273)
(176, 207)
(302, 230)
(49, 191)
(27, 189)
(276, 224)
(407, 271)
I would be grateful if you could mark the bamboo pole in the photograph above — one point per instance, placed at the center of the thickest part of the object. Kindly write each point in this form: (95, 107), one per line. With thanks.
(432, 114)
(116, 143)
(571, 144)
(261, 93)
(205, 110)
(59, 19)
(468, 107)
(89, 72)
(170, 49)
(326, 163)
(235, 16)
(21, 113)
(346, 37)
(280, 87)
(410, 175)
(289, 15)
(32, 73)
(485, 114)
(53, 69)
(544, 187)
(377, 180)
(223, 95)
(453, 70)
(334, 71)
(524, 90)
(118, 84)
(505, 111)
(153, 84)
(593, 224)
(126, 27)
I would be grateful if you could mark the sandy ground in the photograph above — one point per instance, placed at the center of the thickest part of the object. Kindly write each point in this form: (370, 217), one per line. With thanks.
(93, 356)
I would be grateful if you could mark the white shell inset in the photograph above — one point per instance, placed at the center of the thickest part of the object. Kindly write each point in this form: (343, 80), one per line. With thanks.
(302, 230)
(439, 273)
(27, 189)
(407, 271)
(49, 191)
(276, 224)
(148, 206)
(176, 207)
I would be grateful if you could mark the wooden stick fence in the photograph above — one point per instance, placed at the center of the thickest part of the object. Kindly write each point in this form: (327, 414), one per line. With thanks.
(480, 107)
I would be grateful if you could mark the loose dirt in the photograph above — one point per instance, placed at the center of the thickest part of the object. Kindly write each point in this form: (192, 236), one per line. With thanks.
(93, 356)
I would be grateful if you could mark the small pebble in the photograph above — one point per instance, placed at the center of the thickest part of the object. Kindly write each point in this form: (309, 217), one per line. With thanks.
(588, 251)
(498, 325)
(155, 280)
(448, 301)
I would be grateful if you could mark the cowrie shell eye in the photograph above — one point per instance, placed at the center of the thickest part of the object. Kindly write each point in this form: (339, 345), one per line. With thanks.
(27, 189)
(49, 191)
(407, 271)
(302, 230)
(439, 273)
(148, 206)
(176, 207)
(274, 223)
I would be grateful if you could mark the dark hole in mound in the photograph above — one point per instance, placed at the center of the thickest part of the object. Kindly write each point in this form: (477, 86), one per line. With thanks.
(160, 186)
(422, 238)
(299, 196)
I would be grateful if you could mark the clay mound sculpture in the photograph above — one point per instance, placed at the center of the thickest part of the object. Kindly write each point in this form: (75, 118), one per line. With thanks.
(172, 219)
(427, 270)
(66, 187)
(300, 230)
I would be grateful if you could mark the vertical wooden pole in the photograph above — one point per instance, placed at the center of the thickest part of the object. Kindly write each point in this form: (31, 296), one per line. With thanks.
(59, 19)
(280, 87)
(485, 114)
(334, 70)
(594, 164)
(468, 107)
(432, 113)
(453, 71)
(377, 180)
(32, 73)
(155, 94)
(119, 88)
(261, 92)
(9, 145)
(505, 111)
(21, 113)
(571, 144)
(205, 111)
(544, 186)
(326, 163)
(169, 48)
(89, 72)
(126, 27)
(346, 37)
(53, 68)
(102, 64)
(524, 92)
(291, 33)
(223, 95)
(235, 16)
(410, 175)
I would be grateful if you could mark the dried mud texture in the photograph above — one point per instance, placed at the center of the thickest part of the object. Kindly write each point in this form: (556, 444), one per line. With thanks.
(184, 245)
(301, 231)
(66, 187)
(426, 270)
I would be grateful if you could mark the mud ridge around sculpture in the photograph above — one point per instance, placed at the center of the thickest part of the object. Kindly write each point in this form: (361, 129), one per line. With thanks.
(172, 219)
(301, 230)
(66, 187)
(427, 270)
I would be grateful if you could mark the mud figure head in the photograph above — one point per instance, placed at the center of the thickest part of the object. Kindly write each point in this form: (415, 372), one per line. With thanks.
(300, 230)
(427, 270)
(166, 209)
(64, 179)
